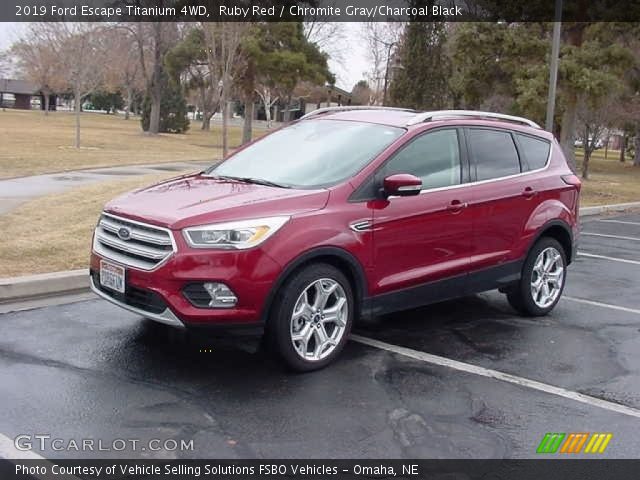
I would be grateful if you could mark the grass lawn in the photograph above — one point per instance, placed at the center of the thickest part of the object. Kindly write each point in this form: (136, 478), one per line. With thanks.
(33, 143)
(610, 181)
(53, 233)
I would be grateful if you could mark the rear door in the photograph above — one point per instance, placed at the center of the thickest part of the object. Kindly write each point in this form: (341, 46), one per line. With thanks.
(503, 198)
(424, 238)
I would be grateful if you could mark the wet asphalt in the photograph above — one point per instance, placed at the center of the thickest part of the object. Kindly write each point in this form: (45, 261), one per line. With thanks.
(90, 370)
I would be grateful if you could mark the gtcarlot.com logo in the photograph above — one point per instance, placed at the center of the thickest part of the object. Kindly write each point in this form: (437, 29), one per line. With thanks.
(44, 442)
(574, 442)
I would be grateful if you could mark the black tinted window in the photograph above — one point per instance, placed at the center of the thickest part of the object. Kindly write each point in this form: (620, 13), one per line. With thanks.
(535, 150)
(494, 152)
(434, 157)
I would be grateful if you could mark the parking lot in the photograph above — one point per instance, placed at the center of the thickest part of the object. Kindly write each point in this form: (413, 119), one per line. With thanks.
(461, 379)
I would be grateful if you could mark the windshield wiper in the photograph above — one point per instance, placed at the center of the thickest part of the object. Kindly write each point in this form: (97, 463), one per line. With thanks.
(256, 181)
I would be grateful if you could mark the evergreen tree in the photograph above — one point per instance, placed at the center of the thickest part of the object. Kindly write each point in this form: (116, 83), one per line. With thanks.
(419, 78)
(173, 109)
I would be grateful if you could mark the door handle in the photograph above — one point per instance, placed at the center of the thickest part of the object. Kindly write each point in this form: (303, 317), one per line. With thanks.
(456, 206)
(529, 192)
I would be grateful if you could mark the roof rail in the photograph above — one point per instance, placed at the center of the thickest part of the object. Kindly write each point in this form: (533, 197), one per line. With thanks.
(440, 114)
(320, 111)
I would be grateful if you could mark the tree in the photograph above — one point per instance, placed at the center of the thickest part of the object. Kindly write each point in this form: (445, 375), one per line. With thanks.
(36, 60)
(222, 45)
(421, 78)
(381, 39)
(189, 59)
(173, 109)
(595, 116)
(152, 41)
(107, 101)
(282, 57)
(122, 67)
(362, 93)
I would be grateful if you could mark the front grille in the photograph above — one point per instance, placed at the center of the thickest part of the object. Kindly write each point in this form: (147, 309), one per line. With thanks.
(145, 247)
(135, 297)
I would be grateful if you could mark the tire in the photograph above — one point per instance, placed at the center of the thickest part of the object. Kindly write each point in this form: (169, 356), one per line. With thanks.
(525, 297)
(306, 333)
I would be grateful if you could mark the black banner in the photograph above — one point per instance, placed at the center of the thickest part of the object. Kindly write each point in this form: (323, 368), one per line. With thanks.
(321, 10)
(547, 469)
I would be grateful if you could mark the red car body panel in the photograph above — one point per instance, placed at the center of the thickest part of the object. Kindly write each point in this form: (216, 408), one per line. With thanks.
(403, 242)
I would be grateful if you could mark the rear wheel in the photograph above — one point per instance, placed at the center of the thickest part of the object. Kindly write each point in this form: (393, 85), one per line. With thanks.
(312, 317)
(542, 281)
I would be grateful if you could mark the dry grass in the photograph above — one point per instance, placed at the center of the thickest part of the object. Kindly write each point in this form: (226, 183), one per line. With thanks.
(53, 233)
(33, 143)
(610, 181)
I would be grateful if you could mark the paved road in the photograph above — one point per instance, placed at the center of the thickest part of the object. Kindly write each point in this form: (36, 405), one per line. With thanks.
(16, 191)
(90, 370)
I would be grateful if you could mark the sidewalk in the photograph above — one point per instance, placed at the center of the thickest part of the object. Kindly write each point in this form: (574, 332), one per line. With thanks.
(16, 191)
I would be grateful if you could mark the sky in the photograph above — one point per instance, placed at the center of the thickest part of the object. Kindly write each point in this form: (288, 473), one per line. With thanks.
(348, 71)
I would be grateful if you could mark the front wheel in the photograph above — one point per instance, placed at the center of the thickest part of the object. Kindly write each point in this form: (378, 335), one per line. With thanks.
(312, 317)
(542, 281)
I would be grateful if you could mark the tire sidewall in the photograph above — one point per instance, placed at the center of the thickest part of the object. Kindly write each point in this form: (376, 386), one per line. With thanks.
(280, 318)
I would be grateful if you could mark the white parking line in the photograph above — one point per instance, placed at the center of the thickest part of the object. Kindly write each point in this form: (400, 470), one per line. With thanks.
(635, 239)
(603, 305)
(604, 257)
(620, 221)
(497, 375)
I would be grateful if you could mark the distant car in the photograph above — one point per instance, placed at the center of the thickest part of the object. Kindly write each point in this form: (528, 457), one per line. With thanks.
(345, 213)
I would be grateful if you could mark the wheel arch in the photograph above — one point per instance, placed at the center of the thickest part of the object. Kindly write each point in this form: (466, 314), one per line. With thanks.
(335, 256)
(560, 231)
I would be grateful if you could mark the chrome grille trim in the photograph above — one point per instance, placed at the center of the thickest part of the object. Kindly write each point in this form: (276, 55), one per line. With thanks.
(147, 247)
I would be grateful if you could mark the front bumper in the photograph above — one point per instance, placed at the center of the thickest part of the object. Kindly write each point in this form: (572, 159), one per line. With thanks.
(158, 294)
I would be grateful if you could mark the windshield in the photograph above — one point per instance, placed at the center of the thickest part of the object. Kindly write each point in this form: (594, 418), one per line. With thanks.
(318, 153)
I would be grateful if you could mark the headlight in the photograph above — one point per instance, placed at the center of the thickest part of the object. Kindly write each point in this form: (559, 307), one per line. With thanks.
(234, 235)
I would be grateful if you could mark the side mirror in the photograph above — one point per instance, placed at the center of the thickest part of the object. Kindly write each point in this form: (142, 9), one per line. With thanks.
(402, 185)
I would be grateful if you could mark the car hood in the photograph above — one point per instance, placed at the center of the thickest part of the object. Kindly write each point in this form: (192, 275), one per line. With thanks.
(200, 199)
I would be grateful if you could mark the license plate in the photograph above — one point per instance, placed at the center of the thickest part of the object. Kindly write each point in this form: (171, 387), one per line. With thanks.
(112, 276)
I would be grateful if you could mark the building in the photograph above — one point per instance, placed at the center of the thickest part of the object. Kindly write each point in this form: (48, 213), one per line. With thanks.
(19, 93)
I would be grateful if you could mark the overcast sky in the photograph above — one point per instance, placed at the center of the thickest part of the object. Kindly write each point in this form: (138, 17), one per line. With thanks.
(348, 72)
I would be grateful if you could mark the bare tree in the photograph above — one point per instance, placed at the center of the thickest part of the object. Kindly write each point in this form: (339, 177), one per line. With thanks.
(122, 66)
(223, 41)
(152, 41)
(594, 120)
(37, 61)
(382, 39)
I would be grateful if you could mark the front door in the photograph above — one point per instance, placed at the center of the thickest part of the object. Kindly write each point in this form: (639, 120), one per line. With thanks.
(422, 243)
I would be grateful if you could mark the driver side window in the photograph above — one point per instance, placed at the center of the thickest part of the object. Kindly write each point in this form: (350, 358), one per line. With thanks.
(433, 157)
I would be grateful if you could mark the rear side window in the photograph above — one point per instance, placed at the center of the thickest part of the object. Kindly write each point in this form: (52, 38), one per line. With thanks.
(494, 153)
(535, 151)
(434, 157)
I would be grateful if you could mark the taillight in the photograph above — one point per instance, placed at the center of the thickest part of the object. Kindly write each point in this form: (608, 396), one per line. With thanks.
(572, 180)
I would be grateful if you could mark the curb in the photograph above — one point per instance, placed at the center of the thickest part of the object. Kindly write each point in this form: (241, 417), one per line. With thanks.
(597, 210)
(31, 287)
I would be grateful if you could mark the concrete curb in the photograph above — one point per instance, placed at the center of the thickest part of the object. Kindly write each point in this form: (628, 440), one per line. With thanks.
(618, 207)
(16, 289)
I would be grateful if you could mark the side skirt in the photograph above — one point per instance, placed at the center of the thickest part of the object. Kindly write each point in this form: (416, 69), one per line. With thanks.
(445, 289)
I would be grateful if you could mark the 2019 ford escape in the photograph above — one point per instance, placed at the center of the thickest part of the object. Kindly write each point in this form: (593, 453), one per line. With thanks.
(345, 213)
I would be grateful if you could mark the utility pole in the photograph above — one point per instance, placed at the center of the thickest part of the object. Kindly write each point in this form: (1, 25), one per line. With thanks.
(553, 67)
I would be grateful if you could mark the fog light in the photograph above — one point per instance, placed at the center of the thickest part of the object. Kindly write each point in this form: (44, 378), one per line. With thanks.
(221, 295)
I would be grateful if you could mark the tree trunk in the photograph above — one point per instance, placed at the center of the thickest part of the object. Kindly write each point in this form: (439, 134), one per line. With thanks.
(156, 100)
(587, 154)
(248, 121)
(127, 107)
(47, 99)
(567, 135)
(77, 106)
(636, 156)
(225, 122)
(206, 120)
(623, 146)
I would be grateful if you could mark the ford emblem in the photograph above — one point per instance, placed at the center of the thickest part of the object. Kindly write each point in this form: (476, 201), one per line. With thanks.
(124, 233)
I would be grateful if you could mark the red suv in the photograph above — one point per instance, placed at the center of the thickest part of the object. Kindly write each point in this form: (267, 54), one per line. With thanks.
(345, 213)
